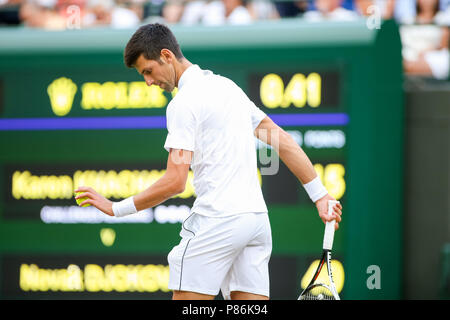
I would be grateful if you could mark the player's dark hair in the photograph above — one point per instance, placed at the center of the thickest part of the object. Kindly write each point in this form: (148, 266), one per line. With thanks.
(149, 40)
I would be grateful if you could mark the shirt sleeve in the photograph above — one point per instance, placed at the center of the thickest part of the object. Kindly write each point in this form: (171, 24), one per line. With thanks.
(180, 127)
(257, 115)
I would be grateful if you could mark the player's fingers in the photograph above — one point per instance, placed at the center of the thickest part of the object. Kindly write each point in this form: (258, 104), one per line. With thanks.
(85, 189)
(87, 201)
(329, 218)
(337, 213)
(336, 226)
(81, 189)
(85, 195)
(337, 210)
(332, 217)
(337, 218)
(81, 195)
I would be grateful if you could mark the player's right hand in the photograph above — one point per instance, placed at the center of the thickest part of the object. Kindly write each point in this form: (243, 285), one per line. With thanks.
(322, 208)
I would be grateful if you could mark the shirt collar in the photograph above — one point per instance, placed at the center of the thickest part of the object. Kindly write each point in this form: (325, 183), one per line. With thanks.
(188, 74)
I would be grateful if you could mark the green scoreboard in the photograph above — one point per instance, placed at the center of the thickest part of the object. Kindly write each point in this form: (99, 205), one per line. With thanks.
(72, 114)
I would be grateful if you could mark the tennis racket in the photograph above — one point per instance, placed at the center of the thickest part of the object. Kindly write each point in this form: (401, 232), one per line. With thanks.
(316, 290)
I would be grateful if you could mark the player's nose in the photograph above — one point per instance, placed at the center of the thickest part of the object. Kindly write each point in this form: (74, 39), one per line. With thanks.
(149, 81)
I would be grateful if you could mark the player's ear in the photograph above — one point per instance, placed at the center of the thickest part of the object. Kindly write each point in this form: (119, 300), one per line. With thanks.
(166, 55)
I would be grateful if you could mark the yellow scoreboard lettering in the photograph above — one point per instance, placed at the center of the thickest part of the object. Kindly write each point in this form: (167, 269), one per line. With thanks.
(111, 183)
(126, 278)
(31, 187)
(271, 91)
(332, 176)
(295, 92)
(33, 278)
(121, 95)
(314, 89)
(300, 90)
(94, 278)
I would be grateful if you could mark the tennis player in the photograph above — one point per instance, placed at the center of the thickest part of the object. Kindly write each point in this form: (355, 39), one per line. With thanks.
(226, 241)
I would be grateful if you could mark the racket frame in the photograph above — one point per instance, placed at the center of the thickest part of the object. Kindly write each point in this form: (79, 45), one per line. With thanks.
(326, 259)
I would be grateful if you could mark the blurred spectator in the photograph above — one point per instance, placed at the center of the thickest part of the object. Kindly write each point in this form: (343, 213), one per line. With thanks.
(288, 9)
(226, 11)
(443, 17)
(98, 13)
(426, 11)
(41, 14)
(58, 14)
(435, 13)
(172, 11)
(426, 42)
(406, 10)
(76, 14)
(124, 14)
(262, 10)
(9, 12)
(330, 10)
(385, 7)
(116, 14)
(216, 12)
(137, 6)
(193, 12)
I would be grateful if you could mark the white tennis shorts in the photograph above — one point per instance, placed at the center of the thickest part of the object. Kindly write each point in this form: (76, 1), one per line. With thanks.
(229, 254)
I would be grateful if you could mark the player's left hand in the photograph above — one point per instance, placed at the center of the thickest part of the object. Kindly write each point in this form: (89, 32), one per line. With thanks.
(95, 199)
(322, 208)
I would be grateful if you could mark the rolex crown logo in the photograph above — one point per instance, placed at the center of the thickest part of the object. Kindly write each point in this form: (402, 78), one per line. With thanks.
(61, 92)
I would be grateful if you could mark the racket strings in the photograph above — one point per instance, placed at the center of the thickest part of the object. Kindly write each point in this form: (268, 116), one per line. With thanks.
(318, 292)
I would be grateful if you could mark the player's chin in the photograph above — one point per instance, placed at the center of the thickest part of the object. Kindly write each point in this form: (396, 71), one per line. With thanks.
(166, 87)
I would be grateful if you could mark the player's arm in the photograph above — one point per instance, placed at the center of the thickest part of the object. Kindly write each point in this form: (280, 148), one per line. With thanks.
(296, 160)
(289, 151)
(171, 183)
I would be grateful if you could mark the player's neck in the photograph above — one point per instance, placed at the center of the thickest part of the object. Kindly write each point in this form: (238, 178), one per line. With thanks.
(180, 68)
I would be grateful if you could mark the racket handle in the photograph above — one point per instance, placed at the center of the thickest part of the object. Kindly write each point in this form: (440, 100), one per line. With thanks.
(329, 227)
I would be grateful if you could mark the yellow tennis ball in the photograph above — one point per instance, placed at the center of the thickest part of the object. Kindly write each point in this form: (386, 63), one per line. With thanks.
(80, 200)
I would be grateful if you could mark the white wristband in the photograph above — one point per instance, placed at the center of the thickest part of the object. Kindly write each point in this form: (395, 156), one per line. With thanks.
(315, 189)
(124, 207)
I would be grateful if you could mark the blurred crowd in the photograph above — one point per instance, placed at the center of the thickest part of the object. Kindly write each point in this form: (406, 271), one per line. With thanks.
(424, 24)
(58, 14)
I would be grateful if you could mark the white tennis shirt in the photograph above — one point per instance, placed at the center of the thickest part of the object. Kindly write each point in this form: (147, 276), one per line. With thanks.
(211, 116)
